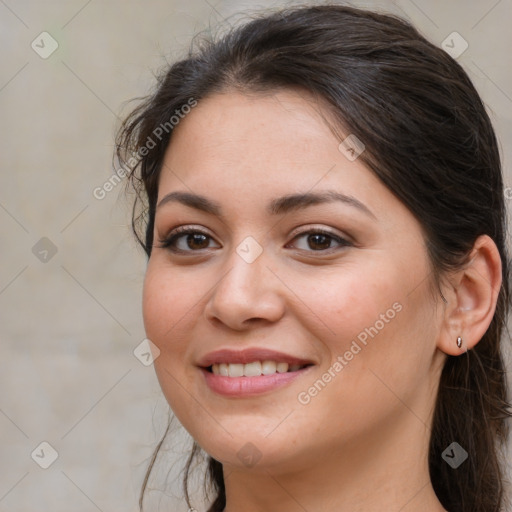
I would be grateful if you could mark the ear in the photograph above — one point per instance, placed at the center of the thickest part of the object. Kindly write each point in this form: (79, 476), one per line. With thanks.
(471, 295)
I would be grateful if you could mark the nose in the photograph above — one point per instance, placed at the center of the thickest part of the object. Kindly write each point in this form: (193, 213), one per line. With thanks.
(247, 294)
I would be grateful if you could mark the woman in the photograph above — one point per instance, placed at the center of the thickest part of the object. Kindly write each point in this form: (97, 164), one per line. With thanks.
(327, 283)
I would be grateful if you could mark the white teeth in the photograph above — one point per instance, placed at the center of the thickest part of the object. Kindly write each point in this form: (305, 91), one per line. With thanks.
(268, 367)
(236, 370)
(254, 369)
(282, 367)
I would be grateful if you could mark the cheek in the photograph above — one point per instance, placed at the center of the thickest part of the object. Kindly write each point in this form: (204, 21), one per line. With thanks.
(167, 305)
(155, 303)
(168, 312)
(374, 317)
(341, 303)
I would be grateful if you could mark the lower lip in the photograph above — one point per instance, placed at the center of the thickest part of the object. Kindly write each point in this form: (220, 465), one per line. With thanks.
(250, 386)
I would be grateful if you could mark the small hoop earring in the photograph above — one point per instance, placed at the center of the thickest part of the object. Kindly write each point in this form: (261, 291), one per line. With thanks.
(459, 341)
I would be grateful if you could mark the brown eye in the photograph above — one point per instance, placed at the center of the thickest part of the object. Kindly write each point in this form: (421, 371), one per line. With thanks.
(320, 240)
(186, 240)
(197, 241)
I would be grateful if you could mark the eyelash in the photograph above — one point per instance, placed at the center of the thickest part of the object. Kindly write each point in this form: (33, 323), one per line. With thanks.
(169, 241)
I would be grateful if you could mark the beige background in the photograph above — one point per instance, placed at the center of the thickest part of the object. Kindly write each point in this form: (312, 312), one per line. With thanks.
(68, 375)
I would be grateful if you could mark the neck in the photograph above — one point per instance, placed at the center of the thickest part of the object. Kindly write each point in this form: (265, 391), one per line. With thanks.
(384, 471)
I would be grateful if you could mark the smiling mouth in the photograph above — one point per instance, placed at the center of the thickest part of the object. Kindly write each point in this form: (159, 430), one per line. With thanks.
(254, 369)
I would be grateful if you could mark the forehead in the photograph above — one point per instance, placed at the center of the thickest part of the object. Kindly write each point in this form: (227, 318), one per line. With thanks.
(232, 121)
(245, 152)
(282, 133)
(248, 149)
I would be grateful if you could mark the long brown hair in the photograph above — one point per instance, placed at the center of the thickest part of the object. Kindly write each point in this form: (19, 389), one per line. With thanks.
(429, 140)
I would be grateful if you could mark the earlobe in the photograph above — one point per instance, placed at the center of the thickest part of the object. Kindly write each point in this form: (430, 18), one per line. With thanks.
(460, 344)
(471, 299)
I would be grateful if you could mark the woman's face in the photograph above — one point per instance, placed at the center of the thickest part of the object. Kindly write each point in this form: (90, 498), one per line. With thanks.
(298, 255)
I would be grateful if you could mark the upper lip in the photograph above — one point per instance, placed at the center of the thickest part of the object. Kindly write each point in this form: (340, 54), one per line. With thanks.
(249, 355)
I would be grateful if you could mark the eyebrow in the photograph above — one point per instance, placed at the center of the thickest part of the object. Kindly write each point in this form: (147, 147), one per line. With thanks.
(278, 206)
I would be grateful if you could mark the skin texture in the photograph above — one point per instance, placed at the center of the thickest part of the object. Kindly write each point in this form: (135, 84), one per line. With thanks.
(361, 442)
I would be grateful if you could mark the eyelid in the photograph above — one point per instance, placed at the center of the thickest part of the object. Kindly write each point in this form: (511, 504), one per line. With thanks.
(179, 231)
(303, 230)
(341, 240)
(167, 241)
